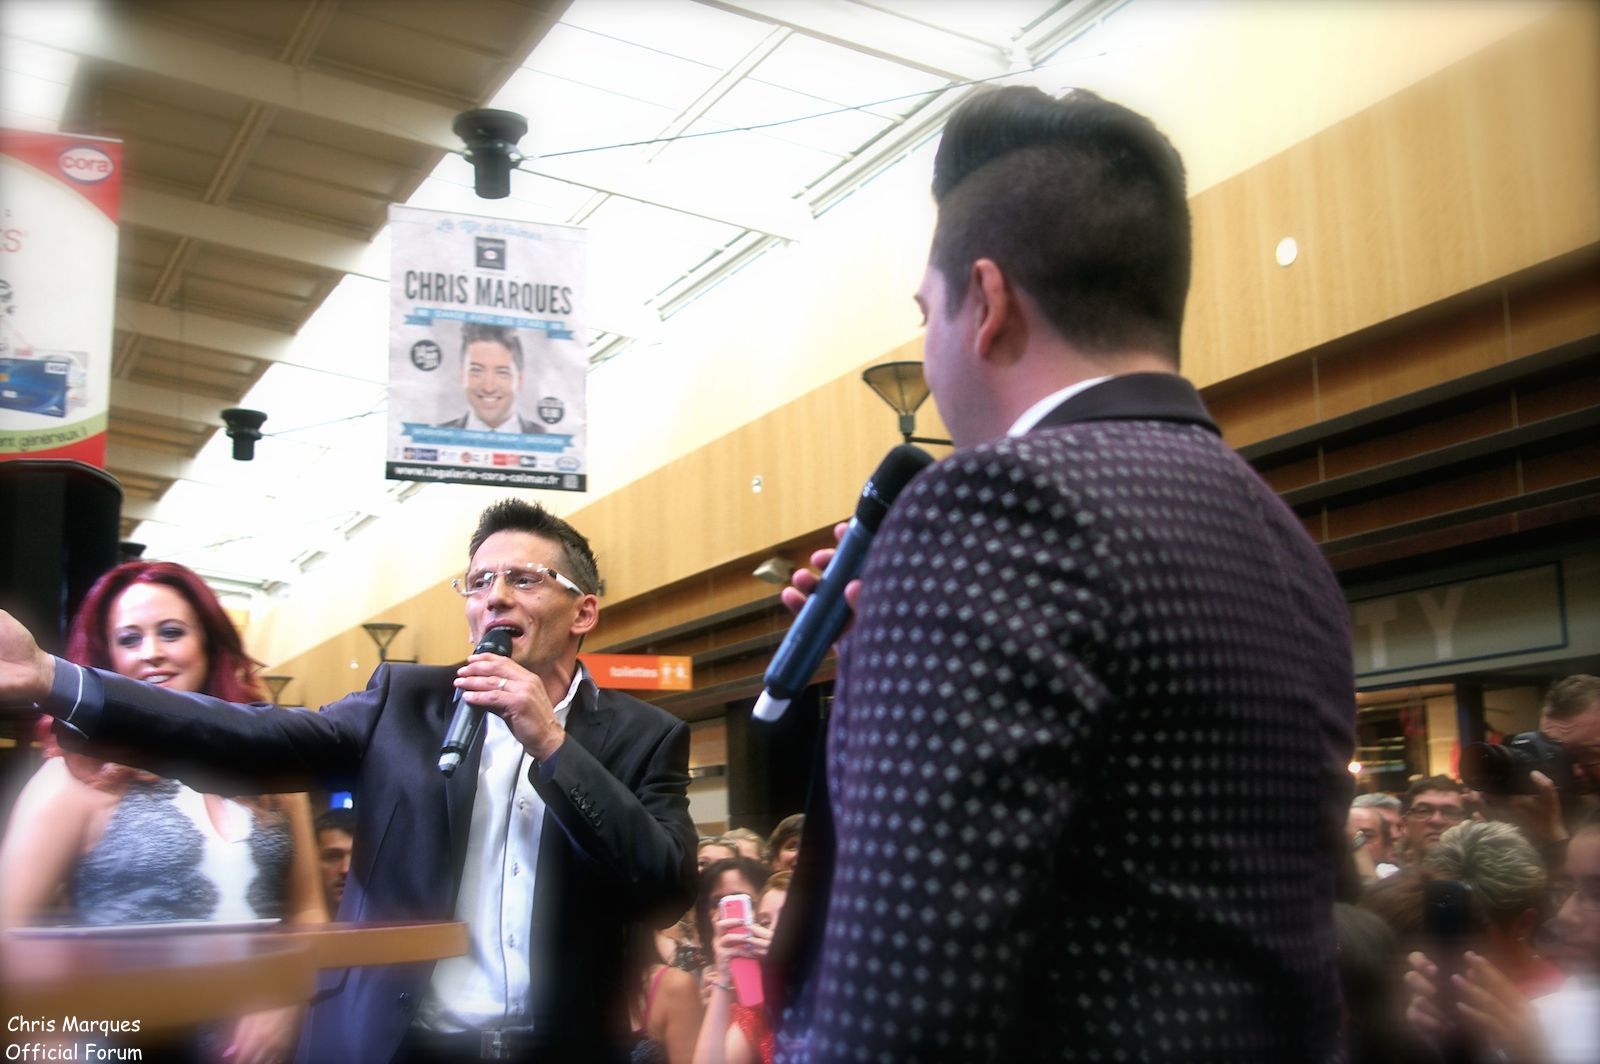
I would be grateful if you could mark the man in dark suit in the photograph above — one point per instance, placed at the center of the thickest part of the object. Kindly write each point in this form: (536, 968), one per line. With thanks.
(564, 830)
(1087, 759)
(491, 379)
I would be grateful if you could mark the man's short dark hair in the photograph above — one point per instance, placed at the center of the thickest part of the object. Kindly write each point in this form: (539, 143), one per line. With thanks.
(1080, 202)
(1433, 783)
(472, 333)
(1569, 697)
(514, 515)
(337, 820)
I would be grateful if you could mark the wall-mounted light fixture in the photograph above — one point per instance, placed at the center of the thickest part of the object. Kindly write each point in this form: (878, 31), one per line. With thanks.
(902, 386)
(383, 633)
(275, 686)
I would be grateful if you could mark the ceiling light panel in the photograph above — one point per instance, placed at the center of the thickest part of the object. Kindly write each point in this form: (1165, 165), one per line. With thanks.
(845, 77)
(628, 69)
(993, 21)
(758, 164)
(689, 30)
(565, 115)
(812, 122)
(35, 82)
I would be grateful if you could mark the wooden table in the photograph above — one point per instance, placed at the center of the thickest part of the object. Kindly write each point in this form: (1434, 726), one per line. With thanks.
(175, 980)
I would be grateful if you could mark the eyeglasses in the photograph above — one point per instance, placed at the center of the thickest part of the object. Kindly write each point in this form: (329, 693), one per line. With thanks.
(1449, 813)
(524, 579)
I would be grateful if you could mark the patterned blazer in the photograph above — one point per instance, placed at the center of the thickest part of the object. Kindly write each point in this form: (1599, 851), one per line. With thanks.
(1087, 761)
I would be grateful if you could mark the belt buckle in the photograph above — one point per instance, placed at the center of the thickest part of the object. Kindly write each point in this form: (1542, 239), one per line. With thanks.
(494, 1045)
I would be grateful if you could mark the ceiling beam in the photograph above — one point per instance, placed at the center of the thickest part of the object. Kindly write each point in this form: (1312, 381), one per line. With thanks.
(202, 330)
(129, 43)
(881, 34)
(149, 463)
(243, 230)
(167, 402)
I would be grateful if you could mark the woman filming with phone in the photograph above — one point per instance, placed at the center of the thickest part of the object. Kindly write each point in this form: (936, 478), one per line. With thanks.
(735, 1029)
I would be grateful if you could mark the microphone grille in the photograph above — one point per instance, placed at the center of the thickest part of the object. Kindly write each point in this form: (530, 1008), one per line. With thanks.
(886, 482)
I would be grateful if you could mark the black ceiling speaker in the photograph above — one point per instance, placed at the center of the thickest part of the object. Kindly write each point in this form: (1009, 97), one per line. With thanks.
(244, 429)
(491, 138)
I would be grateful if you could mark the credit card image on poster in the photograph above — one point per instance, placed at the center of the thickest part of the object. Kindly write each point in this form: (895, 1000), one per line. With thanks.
(34, 385)
(77, 363)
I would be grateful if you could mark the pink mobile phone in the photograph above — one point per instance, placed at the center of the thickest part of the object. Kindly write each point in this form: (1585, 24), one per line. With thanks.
(746, 971)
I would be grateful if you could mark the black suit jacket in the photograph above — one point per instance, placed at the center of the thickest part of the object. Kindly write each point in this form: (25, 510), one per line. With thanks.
(1087, 759)
(617, 848)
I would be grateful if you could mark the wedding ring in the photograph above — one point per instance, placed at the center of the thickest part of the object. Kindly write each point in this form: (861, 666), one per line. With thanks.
(502, 683)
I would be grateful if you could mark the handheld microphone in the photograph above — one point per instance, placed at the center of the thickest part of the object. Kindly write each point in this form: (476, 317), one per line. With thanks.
(468, 718)
(826, 612)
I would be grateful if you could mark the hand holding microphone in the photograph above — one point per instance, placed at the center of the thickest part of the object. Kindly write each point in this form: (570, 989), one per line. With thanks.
(827, 610)
(467, 719)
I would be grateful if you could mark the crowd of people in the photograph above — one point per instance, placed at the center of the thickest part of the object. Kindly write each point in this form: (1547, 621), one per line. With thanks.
(1475, 931)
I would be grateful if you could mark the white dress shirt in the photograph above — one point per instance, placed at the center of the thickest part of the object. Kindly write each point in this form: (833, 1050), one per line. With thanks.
(1035, 413)
(488, 987)
(513, 423)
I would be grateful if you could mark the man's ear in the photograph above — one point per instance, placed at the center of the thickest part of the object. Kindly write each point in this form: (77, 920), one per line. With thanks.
(1000, 329)
(588, 616)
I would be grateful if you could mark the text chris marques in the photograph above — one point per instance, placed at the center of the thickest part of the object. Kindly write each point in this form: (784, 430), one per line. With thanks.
(56, 1049)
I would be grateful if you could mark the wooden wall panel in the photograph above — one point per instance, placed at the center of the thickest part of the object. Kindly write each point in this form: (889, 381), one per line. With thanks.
(1467, 178)
(1267, 403)
(1545, 314)
(1427, 435)
(1437, 497)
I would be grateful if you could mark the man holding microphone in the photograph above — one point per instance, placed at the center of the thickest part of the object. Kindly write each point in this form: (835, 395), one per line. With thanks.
(564, 827)
(1086, 765)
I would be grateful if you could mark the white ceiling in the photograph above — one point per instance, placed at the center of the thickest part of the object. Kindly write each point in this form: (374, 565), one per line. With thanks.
(265, 140)
(250, 204)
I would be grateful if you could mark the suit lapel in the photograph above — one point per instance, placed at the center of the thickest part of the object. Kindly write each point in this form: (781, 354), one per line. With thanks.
(589, 718)
(1133, 397)
(459, 792)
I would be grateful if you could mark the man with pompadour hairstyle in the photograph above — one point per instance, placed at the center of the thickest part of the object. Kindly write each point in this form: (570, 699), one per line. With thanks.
(1087, 776)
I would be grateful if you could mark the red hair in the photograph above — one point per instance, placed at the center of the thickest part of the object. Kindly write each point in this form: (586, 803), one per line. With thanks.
(230, 672)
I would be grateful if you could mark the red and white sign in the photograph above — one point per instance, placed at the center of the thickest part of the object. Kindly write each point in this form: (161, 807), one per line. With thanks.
(59, 198)
(641, 672)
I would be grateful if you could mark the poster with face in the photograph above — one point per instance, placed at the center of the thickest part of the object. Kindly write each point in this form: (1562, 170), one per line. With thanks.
(487, 358)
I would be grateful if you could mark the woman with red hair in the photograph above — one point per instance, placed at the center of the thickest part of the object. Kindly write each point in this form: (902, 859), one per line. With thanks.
(119, 845)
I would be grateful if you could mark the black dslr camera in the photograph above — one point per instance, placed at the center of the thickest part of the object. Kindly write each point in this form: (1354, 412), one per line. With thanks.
(1503, 768)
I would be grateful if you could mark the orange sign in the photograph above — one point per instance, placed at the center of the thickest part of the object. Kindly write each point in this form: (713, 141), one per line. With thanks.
(652, 672)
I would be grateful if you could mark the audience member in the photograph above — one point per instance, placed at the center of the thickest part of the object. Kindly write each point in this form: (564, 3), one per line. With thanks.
(747, 842)
(734, 1033)
(1369, 977)
(713, 849)
(1508, 884)
(1433, 805)
(335, 833)
(1562, 1027)
(1388, 807)
(783, 849)
(1372, 843)
(131, 847)
(665, 1009)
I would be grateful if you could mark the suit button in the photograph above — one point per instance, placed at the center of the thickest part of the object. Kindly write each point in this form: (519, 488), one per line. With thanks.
(404, 999)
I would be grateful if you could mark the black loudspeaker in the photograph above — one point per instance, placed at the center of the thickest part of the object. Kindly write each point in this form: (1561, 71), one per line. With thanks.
(58, 533)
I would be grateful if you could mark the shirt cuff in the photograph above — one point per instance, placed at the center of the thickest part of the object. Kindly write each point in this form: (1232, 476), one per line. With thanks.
(546, 769)
(75, 698)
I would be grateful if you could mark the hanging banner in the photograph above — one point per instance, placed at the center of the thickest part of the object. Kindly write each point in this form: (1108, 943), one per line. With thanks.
(487, 358)
(59, 196)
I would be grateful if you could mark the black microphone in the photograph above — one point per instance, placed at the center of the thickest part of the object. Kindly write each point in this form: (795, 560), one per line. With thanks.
(826, 612)
(468, 718)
